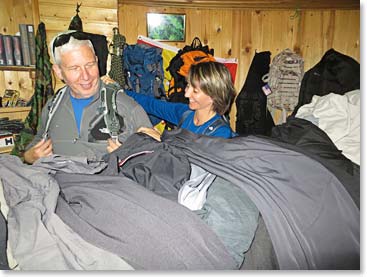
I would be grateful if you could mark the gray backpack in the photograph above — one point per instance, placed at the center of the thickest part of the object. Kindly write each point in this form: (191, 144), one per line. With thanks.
(284, 80)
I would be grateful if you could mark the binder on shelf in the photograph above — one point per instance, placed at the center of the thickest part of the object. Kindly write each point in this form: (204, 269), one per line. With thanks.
(25, 44)
(2, 51)
(8, 46)
(32, 43)
(17, 51)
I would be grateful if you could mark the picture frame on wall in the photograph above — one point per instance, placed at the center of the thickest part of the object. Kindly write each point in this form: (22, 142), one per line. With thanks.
(166, 26)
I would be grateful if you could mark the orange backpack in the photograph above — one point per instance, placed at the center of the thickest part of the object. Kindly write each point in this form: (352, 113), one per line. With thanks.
(179, 68)
(193, 57)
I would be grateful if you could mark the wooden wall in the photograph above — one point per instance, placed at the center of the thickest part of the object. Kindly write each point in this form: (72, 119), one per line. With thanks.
(98, 16)
(13, 12)
(239, 33)
(233, 33)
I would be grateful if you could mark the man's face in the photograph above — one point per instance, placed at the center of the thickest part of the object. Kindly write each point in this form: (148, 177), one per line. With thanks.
(79, 70)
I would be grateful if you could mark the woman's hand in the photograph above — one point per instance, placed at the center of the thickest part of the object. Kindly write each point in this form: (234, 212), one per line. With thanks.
(112, 145)
(150, 132)
(107, 80)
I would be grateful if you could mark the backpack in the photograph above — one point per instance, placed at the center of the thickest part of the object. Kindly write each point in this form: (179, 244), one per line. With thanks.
(143, 66)
(253, 117)
(113, 123)
(179, 68)
(284, 80)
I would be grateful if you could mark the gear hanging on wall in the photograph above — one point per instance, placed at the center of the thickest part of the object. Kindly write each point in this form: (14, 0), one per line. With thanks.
(76, 22)
(117, 62)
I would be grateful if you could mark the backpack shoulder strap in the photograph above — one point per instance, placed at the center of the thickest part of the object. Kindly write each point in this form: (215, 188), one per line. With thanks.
(222, 121)
(52, 109)
(214, 126)
(109, 109)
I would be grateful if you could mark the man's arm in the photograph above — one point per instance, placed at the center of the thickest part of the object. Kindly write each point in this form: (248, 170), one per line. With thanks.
(39, 147)
(38, 137)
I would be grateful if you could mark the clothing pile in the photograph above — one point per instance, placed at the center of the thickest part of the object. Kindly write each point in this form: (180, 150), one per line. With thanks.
(123, 212)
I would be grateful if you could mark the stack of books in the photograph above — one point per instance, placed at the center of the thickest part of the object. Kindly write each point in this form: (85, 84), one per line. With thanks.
(18, 50)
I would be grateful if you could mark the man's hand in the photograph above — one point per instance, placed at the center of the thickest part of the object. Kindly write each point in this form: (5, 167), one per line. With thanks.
(112, 145)
(41, 149)
(150, 132)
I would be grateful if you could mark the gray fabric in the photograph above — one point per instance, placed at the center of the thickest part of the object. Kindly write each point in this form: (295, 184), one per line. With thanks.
(147, 230)
(163, 169)
(304, 137)
(64, 133)
(228, 211)
(232, 215)
(312, 221)
(261, 255)
(3, 241)
(73, 164)
(39, 240)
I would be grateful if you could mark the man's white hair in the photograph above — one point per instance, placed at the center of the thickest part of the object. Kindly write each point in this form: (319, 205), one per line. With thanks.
(72, 44)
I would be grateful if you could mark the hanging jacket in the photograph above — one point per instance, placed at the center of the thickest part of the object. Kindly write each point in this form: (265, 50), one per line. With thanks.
(336, 73)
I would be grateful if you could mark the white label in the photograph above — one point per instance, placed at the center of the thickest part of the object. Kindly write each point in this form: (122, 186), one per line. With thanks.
(6, 141)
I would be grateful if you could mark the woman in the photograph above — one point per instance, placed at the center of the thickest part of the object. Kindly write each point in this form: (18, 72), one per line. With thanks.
(210, 92)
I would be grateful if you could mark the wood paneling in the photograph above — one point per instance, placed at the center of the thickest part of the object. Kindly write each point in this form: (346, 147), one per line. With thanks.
(249, 4)
(98, 17)
(239, 33)
(13, 12)
(235, 29)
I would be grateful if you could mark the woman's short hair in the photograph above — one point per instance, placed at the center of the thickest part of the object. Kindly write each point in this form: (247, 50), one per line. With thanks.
(215, 80)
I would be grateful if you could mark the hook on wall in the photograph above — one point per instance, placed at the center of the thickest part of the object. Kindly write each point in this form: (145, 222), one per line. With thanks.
(296, 13)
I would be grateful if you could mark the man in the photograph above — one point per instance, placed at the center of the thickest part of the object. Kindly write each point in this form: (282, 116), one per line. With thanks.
(75, 123)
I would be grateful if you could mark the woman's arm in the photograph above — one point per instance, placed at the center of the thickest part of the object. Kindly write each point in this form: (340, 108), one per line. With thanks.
(168, 111)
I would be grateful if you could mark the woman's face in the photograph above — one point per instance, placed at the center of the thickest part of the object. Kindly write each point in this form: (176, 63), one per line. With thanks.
(198, 99)
(79, 70)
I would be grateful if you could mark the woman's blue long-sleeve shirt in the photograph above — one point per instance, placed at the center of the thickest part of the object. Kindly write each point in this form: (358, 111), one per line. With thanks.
(173, 113)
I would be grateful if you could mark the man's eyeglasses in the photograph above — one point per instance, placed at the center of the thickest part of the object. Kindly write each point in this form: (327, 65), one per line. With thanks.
(62, 39)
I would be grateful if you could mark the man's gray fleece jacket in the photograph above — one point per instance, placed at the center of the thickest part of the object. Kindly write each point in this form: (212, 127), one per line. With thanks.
(64, 133)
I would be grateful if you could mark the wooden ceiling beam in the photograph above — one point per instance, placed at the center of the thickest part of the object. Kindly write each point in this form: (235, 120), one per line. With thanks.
(249, 4)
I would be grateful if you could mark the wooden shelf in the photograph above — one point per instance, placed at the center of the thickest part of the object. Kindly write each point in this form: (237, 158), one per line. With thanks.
(15, 112)
(19, 113)
(14, 109)
(6, 150)
(17, 68)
